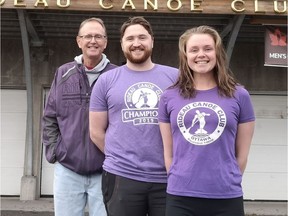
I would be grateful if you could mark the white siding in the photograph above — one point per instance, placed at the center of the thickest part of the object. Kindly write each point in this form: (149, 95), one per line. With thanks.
(13, 134)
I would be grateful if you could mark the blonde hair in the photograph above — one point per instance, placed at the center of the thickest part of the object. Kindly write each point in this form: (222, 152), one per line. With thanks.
(222, 74)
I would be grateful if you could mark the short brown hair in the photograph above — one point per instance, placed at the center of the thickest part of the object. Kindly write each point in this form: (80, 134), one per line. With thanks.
(134, 21)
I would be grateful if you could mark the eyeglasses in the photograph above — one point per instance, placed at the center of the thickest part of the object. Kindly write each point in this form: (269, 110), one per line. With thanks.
(88, 37)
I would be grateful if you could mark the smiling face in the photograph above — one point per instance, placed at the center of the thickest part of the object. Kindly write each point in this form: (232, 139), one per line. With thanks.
(137, 44)
(92, 49)
(201, 53)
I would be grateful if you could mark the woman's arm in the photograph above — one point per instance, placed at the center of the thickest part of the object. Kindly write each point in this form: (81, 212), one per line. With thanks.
(166, 134)
(243, 143)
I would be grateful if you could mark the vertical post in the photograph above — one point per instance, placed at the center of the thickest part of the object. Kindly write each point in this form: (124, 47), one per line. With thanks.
(233, 36)
(28, 181)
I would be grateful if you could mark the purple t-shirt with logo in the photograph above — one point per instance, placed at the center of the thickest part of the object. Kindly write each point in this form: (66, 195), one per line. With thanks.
(204, 131)
(133, 144)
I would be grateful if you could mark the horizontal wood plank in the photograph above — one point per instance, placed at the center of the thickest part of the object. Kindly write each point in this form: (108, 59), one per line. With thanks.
(255, 7)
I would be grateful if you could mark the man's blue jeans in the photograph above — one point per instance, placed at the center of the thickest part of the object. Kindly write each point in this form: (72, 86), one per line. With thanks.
(72, 192)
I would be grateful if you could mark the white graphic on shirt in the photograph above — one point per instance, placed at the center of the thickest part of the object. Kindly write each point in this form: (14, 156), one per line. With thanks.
(142, 100)
(199, 132)
(199, 118)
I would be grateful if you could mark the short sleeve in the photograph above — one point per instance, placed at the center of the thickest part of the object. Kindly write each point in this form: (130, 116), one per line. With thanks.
(98, 100)
(246, 107)
(163, 115)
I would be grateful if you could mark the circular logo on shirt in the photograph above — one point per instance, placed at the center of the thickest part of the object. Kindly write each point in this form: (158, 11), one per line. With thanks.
(141, 100)
(192, 122)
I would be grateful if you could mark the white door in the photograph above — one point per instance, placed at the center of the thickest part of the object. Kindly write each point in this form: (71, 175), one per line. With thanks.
(265, 177)
(47, 174)
(13, 135)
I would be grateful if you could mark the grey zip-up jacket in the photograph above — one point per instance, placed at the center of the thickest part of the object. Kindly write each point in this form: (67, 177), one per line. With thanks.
(65, 122)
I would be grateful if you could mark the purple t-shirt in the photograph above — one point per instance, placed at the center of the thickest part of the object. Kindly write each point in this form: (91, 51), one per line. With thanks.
(133, 144)
(204, 131)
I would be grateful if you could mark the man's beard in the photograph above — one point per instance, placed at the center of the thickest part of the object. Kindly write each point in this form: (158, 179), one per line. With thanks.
(139, 59)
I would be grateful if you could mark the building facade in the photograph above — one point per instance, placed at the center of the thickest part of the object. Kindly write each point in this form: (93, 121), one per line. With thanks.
(39, 36)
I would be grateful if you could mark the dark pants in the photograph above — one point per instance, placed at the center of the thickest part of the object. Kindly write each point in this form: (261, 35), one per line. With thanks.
(190, 206)
(127, 197)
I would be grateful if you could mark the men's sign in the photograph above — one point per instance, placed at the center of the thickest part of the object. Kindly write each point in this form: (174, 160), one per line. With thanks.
(261, 7)
(276, 46)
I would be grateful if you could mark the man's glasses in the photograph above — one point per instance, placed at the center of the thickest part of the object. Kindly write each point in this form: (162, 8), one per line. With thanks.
(88, 37)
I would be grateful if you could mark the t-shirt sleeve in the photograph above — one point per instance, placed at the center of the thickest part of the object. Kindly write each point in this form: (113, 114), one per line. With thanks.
(163, 115)
(98, 96)
(247, 111)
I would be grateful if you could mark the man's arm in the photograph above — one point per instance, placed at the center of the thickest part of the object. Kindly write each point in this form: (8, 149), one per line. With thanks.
(50, 127)
(98, 122)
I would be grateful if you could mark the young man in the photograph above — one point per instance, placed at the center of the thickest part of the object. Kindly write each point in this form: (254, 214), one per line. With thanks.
(125, 101)
(78, 167)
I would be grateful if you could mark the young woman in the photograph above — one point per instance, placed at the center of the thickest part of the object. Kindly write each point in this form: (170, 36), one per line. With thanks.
(207, 122)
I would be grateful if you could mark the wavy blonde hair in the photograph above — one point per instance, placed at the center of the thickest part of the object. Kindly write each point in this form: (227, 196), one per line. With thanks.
(223, 76)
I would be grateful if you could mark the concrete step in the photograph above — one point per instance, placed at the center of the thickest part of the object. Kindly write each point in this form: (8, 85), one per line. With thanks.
(13, 206)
